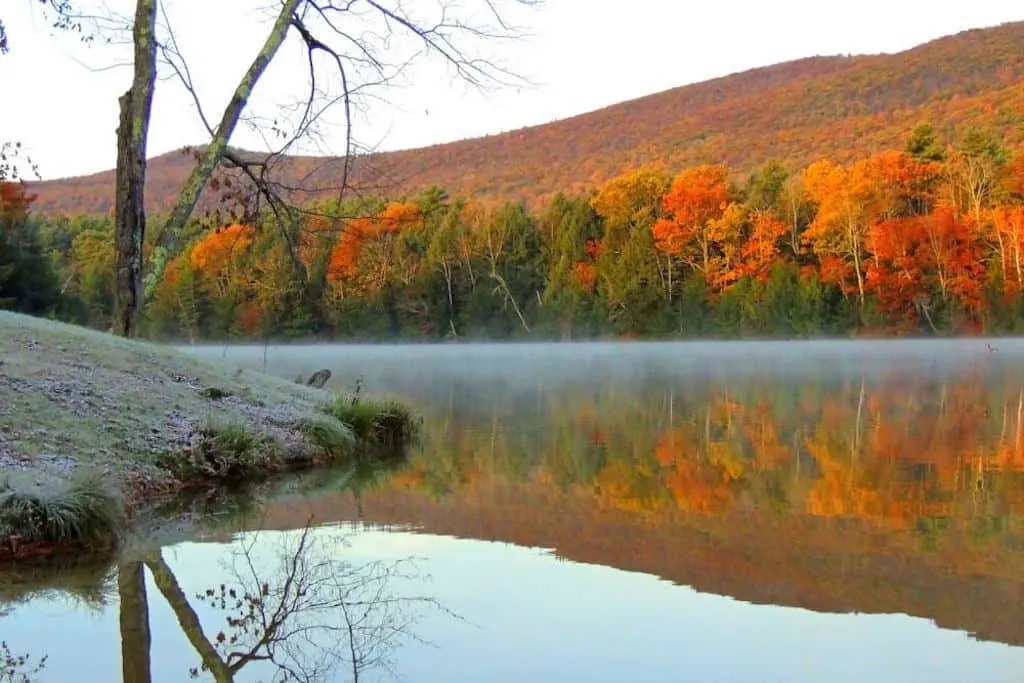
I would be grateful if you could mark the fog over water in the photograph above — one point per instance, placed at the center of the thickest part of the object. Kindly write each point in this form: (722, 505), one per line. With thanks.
(387, 366)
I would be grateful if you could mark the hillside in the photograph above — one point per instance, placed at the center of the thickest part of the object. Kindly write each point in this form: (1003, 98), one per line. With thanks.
(794, 112)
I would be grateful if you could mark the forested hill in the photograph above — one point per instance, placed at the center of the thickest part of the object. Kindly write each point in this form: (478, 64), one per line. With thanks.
(796, 112)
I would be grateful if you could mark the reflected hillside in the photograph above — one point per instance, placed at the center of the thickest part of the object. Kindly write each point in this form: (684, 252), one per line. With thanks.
(895, 491)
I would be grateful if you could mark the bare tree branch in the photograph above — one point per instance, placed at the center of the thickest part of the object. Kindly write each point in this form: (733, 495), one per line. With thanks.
(214, 151)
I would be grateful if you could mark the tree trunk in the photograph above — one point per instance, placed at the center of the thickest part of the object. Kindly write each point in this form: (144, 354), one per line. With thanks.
(855, 249)
(509, 297)
(188, 620)
(130, 225)
(134, 617)
(129, 207)
(447, 270)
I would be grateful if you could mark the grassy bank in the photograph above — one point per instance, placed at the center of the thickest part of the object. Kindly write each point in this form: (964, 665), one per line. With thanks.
(91, 425)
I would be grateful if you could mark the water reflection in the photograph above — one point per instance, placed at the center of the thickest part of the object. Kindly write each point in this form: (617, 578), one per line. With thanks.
(273, 607)
(843, 477)
(288, 606)
(18, 667)
(296, 612)
(80, 584)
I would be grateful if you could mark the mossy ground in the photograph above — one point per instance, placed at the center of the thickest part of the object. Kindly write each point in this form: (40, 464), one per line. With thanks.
(149, 419)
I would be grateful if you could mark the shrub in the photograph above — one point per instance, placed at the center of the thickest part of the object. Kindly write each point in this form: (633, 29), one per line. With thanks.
(216, 393)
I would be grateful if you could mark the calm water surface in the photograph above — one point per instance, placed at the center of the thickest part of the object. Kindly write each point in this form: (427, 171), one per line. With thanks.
(603, 512)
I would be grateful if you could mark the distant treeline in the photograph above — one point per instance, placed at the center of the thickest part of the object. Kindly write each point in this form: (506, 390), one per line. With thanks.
(924, 240)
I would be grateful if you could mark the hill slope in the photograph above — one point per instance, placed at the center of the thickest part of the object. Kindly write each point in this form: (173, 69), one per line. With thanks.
(794, 112)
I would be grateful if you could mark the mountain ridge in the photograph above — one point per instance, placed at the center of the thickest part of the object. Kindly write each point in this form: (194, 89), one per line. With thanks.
(793, 112)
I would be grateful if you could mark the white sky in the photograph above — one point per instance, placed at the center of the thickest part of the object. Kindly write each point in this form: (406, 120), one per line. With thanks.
(581, 55)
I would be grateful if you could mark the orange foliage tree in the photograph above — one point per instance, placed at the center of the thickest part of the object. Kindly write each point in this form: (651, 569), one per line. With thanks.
(347, 263)
(632, 199)
(697, 219)
(761, 251)
(1013, 176)
(1008, 229)
(14, 201)
(848, 202)
(216, 256)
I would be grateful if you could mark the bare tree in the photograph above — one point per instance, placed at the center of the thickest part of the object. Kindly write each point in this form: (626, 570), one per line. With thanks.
(353, 49)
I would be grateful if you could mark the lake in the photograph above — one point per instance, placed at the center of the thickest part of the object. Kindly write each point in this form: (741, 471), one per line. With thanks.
(735, 511)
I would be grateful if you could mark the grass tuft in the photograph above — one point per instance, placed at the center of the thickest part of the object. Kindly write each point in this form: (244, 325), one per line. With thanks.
(330, 435)
(382, 423)
(230, 439)
(81, 511)
(216, 393)
(225, 449)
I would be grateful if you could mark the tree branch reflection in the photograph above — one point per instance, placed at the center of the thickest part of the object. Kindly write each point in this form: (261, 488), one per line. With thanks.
(294, 611)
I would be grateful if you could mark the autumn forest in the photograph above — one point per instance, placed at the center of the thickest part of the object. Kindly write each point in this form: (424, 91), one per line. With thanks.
(925, 239)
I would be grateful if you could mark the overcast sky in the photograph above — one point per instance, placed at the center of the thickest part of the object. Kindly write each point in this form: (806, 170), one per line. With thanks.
(60, 98)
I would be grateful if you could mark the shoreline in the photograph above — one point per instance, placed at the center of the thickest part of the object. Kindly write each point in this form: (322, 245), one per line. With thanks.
(130, 422)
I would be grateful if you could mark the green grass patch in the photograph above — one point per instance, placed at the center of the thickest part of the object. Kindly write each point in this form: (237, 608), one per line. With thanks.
(332, 437)
(376, 423)
(225, 449)
(81, 511)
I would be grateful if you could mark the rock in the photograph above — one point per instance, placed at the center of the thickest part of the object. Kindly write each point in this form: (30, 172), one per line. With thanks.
(319, 378)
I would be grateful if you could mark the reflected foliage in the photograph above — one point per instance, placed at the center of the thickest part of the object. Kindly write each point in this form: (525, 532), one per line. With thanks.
(86, 581)
(897, 451)
(289, 605)
(879, 481)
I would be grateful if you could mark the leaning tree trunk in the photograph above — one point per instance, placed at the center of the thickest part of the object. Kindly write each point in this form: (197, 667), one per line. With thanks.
(129, 208)
(167, 583)
(190, 192)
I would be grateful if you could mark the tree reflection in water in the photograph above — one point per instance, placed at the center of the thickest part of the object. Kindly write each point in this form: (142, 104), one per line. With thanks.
(295, 612)
(18, 668)
(289, 608)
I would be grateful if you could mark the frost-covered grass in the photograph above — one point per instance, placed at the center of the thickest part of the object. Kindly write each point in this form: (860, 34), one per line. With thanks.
(148, 417)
